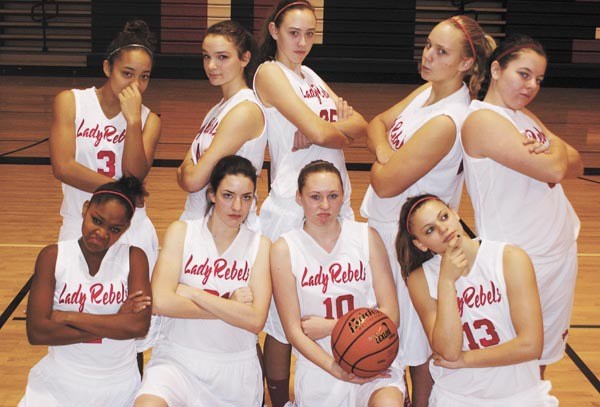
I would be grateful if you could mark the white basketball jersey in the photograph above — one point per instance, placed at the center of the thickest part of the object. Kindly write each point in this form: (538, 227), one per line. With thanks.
(485, 315)
(218, 274)
(76, 290)
(285, 164)
(443, 180)
(331, 284)
(513, 207)
(253, 150)
(99, 144)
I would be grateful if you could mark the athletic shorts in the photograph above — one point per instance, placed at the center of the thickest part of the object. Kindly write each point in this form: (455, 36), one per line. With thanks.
(556, 277)
(187, 377)
(54, 384)
(414, 345)
(536, 397)
(315, 387)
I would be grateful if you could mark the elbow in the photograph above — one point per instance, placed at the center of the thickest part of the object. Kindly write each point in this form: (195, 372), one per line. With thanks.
(158, 308)
(382, 187)
(141, 329)
(34, 338)
(139, 173)
(447, 351)
(451, 355)
(257, 325)
(186, 186)
(59, 171)
(330, 137)
(557, 173)
(532, 348)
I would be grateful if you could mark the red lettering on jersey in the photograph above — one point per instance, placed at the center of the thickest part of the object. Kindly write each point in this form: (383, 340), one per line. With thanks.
(396, 133)
(99, 294)
(315, 91)
(224, 272)
(109, 133)
(474, 297)
(339, 275)
(220, 269)
(536, 134)
(75, 297)
(209, 128)
(319, 279)
(198, 269)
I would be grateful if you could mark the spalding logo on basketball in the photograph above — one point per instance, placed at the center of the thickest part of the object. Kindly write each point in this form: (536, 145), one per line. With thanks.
(364, 342)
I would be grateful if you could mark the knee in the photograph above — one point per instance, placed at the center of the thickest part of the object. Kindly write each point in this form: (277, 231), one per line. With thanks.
(387, 397)
(147, 400)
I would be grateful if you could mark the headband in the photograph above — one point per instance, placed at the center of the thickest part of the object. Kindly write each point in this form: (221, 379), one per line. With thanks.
(459, 24)
(295, 3)
(106, 191)
(529, 45)
(148, 50)
(427, 198)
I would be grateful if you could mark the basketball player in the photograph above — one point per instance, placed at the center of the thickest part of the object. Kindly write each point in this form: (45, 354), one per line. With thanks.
(105, 133)
(479, 304)
(515, 189)
(320, 271)
(89, 298)
(417, 150)
(235, 125)
(212, 278)
(306, 120)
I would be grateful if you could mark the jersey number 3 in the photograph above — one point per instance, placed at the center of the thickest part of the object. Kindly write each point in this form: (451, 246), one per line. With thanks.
(107, 157)
(490, 339)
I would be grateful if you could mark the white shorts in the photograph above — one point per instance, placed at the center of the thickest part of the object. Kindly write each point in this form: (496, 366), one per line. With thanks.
(54, 384)
(315, 387)
(556, 277)
(536, 397)
(188, 377)
(141, 234)
(414, 345)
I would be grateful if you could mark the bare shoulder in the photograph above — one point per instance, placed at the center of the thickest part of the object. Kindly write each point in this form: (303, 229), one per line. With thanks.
(266, 69)
(137, 253)
(482, 117)
(280, 248)
(514, 254)
(176, 230)
(246, 110)
(64, 101)
(265, 242)
(48, 253)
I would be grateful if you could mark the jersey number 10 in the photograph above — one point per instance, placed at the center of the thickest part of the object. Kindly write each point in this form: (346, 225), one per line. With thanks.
(343, 304)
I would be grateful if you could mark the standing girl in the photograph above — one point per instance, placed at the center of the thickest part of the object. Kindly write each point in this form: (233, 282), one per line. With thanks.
(418, 150)
(212, 279)
(235, 125)
(514, 187)
(89, 298)
(306, 120)
(325, 249)
(101, 134)
(479, 305)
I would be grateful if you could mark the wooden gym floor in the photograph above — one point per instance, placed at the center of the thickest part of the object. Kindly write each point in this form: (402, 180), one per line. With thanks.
(30, 199)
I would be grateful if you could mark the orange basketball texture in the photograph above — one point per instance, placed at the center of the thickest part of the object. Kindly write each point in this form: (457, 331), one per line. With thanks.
(364, 342)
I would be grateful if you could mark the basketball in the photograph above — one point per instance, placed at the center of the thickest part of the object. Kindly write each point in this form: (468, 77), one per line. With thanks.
(364, 342)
